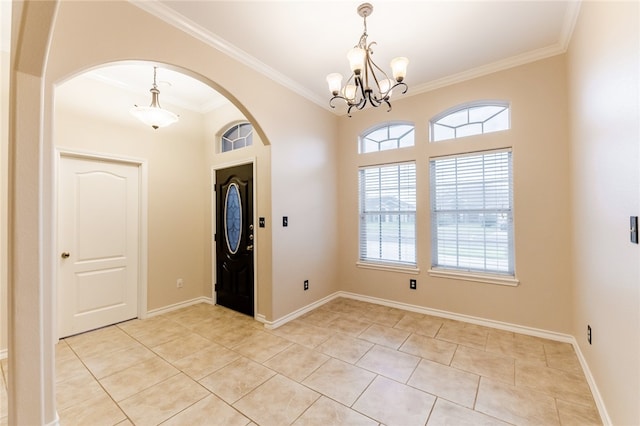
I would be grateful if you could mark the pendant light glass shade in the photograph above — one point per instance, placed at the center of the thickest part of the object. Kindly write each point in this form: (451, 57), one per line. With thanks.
(399, 68)
(154, 115)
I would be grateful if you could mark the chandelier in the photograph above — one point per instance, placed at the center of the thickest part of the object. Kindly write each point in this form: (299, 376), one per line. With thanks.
(154, 115)
(368, 84)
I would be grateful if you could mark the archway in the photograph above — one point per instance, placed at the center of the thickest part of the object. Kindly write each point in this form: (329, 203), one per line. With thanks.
(91, 117)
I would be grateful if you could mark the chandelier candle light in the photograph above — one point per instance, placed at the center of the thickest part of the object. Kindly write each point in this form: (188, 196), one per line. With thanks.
(154, 115)
(368, 84)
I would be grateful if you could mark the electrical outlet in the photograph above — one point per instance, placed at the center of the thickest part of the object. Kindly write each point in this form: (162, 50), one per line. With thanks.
(179, 283)
(589, 334)
(306, 285)
(413, 284)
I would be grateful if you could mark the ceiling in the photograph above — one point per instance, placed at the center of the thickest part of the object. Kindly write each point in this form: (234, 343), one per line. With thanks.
(298, 42)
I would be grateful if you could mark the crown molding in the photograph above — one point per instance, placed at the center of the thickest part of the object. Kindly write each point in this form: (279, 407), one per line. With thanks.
(177, 20)
(569, 22)
(168, 15)
(514, 61)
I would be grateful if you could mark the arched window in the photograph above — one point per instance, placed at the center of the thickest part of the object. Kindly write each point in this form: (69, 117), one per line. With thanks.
(470, 119)
(237, 136)
(387, 136)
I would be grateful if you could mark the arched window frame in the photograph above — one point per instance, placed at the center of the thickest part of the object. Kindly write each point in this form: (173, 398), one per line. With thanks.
(404, 140)
(472, 127)
(239, 142)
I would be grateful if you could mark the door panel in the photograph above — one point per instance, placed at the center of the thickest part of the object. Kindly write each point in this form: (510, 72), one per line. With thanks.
(234, 238)
(98, 232)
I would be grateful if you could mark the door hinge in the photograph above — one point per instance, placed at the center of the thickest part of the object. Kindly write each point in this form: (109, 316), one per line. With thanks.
(215, 287)
(215, 237)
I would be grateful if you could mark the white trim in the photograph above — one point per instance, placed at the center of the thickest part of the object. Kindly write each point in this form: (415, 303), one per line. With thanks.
(177, 20)
(475, 277)
(602, 409)
(388, 267)
(179, 305)
(55, 422)
(184, 24)
(530, 331)
(143, 187)
(569, 23)
(271, 325)
(505, 64)
(500, 325)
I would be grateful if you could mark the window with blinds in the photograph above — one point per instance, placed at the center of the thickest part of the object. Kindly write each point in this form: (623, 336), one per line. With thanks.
(388, 214)
(472, 212)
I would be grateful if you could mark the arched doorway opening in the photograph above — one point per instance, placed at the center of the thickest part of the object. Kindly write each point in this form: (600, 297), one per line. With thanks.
(176, 236)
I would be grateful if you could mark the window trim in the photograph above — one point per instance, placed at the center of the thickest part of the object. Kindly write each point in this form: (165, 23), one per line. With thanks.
(507, 278)
(388, 266)
(466, 106)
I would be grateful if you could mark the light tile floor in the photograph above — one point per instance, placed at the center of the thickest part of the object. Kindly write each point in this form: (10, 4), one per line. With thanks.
(345, 363)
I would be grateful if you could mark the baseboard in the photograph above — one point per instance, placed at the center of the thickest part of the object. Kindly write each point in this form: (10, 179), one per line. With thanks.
(530, 331)
(55, 422)
(179, 305)
(4, 353)
(295, 314)
(602, 409)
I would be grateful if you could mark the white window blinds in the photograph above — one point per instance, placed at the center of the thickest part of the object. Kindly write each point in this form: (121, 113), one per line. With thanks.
(388, 213)
(472, 212)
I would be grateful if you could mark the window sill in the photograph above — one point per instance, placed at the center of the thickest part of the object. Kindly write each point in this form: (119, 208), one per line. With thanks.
(389, 267)
(480, 278)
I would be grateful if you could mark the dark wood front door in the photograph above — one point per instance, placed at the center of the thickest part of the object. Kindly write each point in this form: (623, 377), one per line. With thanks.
(234, 238)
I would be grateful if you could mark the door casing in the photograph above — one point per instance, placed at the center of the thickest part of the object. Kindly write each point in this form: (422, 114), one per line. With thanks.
(142, 217)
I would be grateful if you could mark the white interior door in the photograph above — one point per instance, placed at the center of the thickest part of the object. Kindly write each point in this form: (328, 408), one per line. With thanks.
(98, 243)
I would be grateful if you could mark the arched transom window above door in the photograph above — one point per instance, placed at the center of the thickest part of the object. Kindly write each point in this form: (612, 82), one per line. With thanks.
(238, 136)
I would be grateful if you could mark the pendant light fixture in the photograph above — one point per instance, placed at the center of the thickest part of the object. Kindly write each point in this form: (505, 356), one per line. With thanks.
(368, 84)
(154, 115)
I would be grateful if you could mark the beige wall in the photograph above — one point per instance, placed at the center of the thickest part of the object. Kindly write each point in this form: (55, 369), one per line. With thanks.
(301, 135)
(313, 173)
(177, 180)
(604, 92)
(538, 138)
(88, 34)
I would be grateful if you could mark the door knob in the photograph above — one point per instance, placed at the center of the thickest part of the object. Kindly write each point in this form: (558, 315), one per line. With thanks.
(64, 255)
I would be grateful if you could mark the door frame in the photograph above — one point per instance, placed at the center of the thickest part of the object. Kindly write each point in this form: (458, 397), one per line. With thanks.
(214, 213)
(142, 165)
